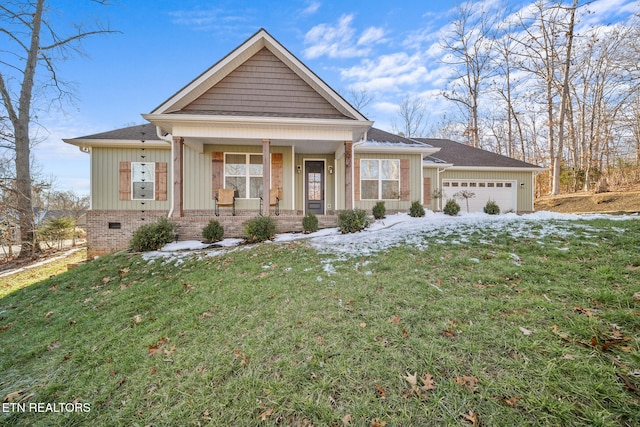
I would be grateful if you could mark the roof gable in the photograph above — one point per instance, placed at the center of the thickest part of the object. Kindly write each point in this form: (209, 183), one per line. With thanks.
(460, 154)
(260, 77)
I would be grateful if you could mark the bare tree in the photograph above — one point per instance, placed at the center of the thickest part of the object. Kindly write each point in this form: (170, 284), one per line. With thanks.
(469, 47)
(33, 48)
(412, 114)
(359, 98)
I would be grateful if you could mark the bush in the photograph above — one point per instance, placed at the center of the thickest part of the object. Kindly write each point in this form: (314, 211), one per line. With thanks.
(352, 221)
(416, 209)
(151, 237)
(213, 232)
(491, 208)
(310, 223)
(451, 208)
(259, 229)
(379, 210)
(58, 230)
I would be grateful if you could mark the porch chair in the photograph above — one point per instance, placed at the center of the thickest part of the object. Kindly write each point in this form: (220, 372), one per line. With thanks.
(274, 200)
(225, 197)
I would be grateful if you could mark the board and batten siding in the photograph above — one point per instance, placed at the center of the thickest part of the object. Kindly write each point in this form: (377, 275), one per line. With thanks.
(524, 201)
(198, 191)
(105, 177)
(414, 177)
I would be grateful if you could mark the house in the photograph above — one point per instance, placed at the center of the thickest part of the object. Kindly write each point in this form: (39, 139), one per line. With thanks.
(258, 119)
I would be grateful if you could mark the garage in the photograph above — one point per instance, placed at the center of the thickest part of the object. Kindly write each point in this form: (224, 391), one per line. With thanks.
(501, 192)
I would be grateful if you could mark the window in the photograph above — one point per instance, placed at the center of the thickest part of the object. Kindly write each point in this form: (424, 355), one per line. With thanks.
(143, 181)
(243, 172)
(379, 179)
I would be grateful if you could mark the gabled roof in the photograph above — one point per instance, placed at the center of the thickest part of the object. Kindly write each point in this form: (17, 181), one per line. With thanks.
(462, 155)
(259, 78)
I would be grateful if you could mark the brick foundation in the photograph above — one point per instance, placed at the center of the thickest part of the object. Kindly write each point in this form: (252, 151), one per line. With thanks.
(101, 239)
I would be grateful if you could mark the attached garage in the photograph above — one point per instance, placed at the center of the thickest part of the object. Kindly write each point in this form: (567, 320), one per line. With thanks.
(459, 167)
(501, 192)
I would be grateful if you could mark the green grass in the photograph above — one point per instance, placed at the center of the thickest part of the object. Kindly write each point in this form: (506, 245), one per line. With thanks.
(513, 331)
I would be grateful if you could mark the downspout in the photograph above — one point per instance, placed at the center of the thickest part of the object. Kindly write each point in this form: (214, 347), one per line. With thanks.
(169, 139)
(440, 185)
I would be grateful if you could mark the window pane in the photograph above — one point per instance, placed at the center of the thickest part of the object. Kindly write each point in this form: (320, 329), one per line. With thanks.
(390, 190)
(236, 164)
(143, 171)
(143, 190)
(369, 169)
(256, 187)
(314, 186)
(255, 165)
(390, 169)
(238, 183)
(369, 189)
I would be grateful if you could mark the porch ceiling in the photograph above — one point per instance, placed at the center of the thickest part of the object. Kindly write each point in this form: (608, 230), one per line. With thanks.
(304, 146)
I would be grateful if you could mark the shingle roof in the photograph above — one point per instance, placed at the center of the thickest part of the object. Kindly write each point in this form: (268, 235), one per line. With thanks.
(377, 135)
(464, 155)
(131, 133)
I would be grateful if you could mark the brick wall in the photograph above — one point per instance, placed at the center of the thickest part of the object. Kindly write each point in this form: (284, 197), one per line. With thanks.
(101, 239)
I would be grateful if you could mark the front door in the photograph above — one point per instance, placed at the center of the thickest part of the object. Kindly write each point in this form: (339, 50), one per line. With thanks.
(314, 186)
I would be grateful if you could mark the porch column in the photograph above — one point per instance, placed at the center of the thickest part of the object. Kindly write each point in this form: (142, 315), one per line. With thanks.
(266, 176)
(178, 174)
(348, 175)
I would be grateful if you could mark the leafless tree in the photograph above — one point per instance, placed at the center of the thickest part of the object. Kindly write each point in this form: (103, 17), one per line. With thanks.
(411, 111)
(32, 47)
(359, 98)
(469, 48)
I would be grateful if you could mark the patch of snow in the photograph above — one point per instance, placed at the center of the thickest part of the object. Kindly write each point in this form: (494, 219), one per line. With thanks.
(399, 229)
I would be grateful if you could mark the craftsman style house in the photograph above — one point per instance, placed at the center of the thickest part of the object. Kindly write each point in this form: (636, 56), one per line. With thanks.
(259, 133)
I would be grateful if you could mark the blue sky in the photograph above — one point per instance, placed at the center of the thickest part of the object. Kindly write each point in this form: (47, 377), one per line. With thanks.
(389, 48)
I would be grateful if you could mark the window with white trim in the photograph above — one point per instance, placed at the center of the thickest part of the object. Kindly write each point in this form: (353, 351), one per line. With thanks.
(143, 176)
(243, 172)
(379, 179)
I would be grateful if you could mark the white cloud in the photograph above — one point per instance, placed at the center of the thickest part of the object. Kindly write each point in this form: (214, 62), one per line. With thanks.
(339, 40)
(312, 8)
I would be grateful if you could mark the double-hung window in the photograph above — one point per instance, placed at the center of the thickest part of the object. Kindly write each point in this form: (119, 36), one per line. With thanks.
(143, 177)
(379, 179)
(243, 172)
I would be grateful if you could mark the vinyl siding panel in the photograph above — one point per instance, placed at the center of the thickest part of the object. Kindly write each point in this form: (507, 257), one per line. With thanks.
(198, 185)
(413, 175)
(263, 85)
(105, 178)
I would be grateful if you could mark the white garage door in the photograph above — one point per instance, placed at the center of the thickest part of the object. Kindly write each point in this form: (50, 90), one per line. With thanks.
(501, 192)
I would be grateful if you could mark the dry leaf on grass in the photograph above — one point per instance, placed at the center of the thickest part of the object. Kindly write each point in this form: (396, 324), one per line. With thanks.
(266, 414)
(469, 382)
(525, 331)
(377, 422)
(471, 418)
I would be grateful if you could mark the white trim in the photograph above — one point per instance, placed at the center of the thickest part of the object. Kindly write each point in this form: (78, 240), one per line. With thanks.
(379, 179)
(153, 194)
(247, 176)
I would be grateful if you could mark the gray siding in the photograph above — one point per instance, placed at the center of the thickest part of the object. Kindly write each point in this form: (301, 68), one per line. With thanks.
(264, 85)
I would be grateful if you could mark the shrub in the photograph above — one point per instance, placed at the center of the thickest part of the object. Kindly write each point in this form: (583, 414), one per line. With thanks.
(379, 210)
(310, 223)
(416, 209)
(491, 208)
(151, 237)
(259, 229)
(58, 230)
(213, 231)
(451, 208)
(352, 221)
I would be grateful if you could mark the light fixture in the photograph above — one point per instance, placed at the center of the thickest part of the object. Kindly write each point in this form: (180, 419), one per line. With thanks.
(330, 169)
(522, 185)
(299, 168)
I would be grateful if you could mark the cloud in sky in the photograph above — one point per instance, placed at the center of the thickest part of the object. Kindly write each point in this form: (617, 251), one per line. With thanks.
(312, 8)
(339, 40)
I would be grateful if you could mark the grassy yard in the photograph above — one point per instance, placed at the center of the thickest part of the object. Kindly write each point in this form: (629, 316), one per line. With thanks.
(475, 329)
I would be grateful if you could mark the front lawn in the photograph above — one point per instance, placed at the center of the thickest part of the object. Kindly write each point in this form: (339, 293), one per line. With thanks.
(527, 323)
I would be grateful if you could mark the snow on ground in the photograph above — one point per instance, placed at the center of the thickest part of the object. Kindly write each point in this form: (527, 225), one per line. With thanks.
(400, 229)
